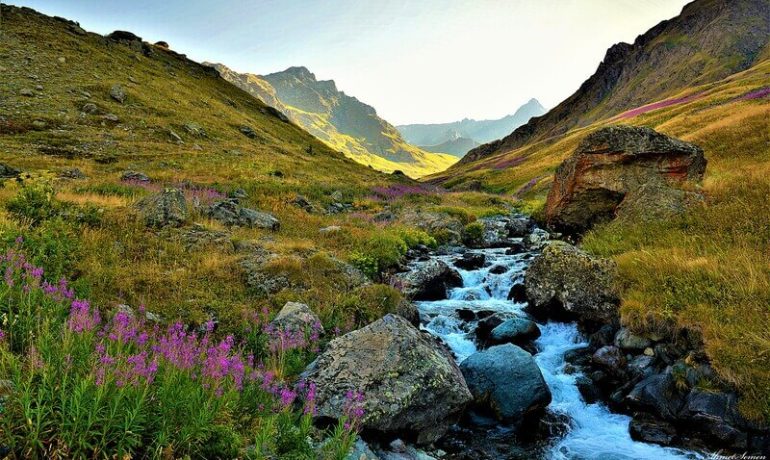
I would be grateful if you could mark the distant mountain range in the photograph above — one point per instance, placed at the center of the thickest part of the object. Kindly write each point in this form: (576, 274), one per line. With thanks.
(460, 136)
(708, 41)
(341, 121)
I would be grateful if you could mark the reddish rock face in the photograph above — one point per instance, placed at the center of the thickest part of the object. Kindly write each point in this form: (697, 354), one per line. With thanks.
(609, 165)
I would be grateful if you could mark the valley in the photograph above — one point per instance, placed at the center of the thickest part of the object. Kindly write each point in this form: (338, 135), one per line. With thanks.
(204, 263)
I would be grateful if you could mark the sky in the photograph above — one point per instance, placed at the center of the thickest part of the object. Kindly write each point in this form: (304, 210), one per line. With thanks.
(414, 61)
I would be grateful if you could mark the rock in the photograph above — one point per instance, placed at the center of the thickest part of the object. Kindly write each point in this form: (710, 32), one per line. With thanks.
(537, 239)
(39, 124)
(657, 394)
(495, 233)
(447, 229)
(498, 270)
(175, 137)
(627, 340)
(239, 194)
(194, 129)
(73, 173)
(134, 176)
(8, 172)
(330, 229)
(296, 317)
(428, 280)
(611, 163)
(118, 93)
(361, 451)
(230, 213)
(641, 365)
(111, 117)
(248, 132)
(165, 209)
(610, 358)
(26, 92)
(604, 336)
(303, 203)
(485, 326)
(519, 226)
(90, 108)
(471, 261)
(588, 389)
(506, 379)
(515, 330)
(565, 281)
(411, 385)
(656, 202)
(647, 429)
(518, 293)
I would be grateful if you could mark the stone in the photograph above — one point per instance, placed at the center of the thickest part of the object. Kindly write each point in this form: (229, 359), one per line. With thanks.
(303, 203)
(657, 394)
(428, 280)
(564, 281)
(627, 340)
(515, 330)
(610, 358)
(498, 269)
(194, 129)
(611, 163)
(297, 317)
(134, 176)
(470, 261)
(72, 173)
(444, 227)
(248, 132)
(361, 451)
(165, 209)
(230, 213)
(537, 239)
(111, 117)
(330, 229)
(118, 93)
(26, 92)
(8, 172)
(518, 293)
(90, 108)
(410, 383)
(506, 379)
(39, 124)
(647, 429)
(656, 202)
(175, 137)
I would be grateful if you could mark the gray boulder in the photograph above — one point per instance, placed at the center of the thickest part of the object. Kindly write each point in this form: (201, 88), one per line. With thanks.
(230, 213)
(118, 93)
(566, 281)
(506, 379)
(295, 316)
(428, 280)
(134, 176)
(410, 383)
(516, 330)
(165, 209)
(8, 172)
(657, 394)
(441, 225)
(627, 340)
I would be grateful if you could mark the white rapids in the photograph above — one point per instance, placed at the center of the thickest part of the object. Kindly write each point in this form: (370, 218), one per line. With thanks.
(595, 433)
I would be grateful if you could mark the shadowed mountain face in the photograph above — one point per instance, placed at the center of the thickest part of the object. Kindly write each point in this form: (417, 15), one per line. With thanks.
(457, 146)
(342, 121)
(478, 131)
(708, 41)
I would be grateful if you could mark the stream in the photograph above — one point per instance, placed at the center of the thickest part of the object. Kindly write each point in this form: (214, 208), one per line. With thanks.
(594, 432)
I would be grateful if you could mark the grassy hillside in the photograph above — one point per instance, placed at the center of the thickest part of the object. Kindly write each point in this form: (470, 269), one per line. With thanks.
(342, 122)
(708, 41)
(707, 270)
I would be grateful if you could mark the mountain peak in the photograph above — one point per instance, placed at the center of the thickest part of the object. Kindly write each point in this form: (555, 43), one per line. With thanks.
(300, 72)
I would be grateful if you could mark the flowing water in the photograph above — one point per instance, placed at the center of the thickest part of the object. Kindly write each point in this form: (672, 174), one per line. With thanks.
(595, 432)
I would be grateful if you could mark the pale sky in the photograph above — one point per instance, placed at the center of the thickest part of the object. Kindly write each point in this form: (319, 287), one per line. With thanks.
(418, 61)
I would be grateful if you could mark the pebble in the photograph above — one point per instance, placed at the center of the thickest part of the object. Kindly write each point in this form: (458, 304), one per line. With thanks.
(62, 60)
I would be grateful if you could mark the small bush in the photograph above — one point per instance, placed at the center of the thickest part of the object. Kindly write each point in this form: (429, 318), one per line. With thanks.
(35, 199)
(473, 233)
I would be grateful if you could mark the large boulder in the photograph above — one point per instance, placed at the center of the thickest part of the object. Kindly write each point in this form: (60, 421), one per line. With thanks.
(564, 281)
(411, 386)
(506, 379)
(515, 330)
(614, 162)
(230, 213)
(428, 280)
(657, 394)
(165, 209)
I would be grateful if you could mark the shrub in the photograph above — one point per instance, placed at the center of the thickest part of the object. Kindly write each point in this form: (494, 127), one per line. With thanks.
(473, 233)
(35, 199)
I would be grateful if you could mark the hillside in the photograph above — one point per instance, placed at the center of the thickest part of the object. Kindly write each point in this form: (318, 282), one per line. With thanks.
(341, 121)
(457, 146)
(708, 41)
(480, 131)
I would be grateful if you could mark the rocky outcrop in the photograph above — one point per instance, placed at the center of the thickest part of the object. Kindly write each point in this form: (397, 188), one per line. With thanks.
(410, 383)
(428, 280)
(230, 213)
(566, 282)
(618, 163)
(441, 225)
(165, 209)
(506, 380)
(499, 231)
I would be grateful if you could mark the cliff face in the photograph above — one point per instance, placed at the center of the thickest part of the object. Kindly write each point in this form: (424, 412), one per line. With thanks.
(708, 41)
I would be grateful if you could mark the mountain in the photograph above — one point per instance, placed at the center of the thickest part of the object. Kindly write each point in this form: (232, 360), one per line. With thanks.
(341, 121)
(708, 41)
(457, 146)
(480, 131)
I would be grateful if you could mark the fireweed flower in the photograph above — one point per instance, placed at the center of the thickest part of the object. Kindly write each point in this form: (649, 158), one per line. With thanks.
(82, 318)
(353, 410)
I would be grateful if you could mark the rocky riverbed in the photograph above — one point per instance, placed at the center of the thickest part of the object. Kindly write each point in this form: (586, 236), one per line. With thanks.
(525, 358)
